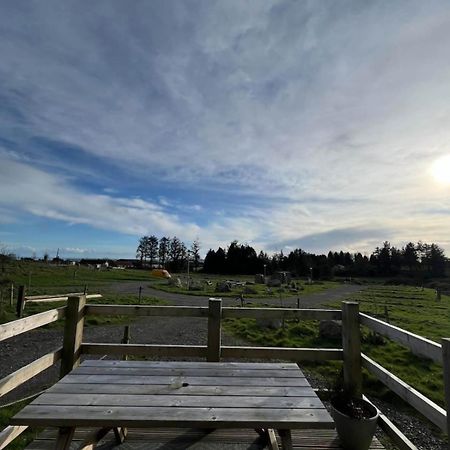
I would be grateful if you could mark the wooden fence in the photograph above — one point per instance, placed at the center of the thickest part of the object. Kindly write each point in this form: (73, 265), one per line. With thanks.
(350, 353)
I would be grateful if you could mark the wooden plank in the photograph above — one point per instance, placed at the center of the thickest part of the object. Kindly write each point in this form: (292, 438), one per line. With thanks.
(144, 350)
(394, 434)
(422, 404)
(73, 334)
(98, 416)
(50, 299)
(23, 374)
(39, 297)
(20, 301)
(90, 441)
(145, 310)
(417, 344)
(184, 401)
(196, 381)
(273, 444)
(189, 364)
(291, 354)
(10, 433)
(446, 364)
(214, 330)
(19, 326)
(190, 372)
(64, 439)
(179, 389)
(351, 346)
(282, 313)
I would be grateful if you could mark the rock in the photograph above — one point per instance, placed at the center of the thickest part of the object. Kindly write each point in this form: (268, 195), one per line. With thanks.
(274, 324)
(274, 282)
(223, 286)
(259, 278)
(195, 286)
(330, 329)
(250, 290)
(175, 282)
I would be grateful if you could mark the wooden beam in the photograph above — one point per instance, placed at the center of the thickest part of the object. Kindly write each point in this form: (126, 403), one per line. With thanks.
(422, 404)
(282, 313)
(145, 310)
(23, 374)
(288, 354)
(214, 330)
(446, 364)
(144, 350)
(394, 434)
(90, 441)
(417, 344)
(73, 334)
(61, 298)
(19, 326)
(10, 433)
(351, 346)
(20, 301)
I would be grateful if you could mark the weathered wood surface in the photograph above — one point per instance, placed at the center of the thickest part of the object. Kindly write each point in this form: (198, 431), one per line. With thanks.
(145, 310)
(23, 374)
(290, 354)
(446, 363)
(351, 346)
(422, 404)
(9, 434)
(19, 326)
(196, 439)
(417, 344)
(145, 350)
(59, 298)
(214, 330)
(282, 313)
(254, 405)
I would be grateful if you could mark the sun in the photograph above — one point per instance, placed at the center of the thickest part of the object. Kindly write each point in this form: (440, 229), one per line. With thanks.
(440, 169)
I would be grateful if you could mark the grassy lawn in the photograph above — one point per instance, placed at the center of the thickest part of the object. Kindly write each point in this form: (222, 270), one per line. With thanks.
(249, 291)
(410, 308)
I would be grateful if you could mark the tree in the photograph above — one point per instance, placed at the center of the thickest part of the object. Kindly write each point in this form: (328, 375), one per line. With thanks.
(151, 249)
(177, 254)
(410, 257)
(163, 250)
(195, 250)
(140, 251)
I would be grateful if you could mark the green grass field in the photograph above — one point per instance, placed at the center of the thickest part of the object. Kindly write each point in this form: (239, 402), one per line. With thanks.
(410, 308)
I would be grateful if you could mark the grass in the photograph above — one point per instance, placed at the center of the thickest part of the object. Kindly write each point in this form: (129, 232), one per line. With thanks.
(413, 309)
(20, 442)
(259, 290)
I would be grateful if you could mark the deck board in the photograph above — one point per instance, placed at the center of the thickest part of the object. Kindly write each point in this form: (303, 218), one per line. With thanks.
(180, 439)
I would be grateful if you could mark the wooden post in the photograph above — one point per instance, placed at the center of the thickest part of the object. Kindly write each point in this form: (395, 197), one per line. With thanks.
(73, 334)
(351, 346)
(11, 298)
(214, 329)
(20, 301)
(446, 364)
(140, 293)
(126, 339)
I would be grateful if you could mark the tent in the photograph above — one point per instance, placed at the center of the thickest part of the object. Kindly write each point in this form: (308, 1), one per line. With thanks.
(160, 273)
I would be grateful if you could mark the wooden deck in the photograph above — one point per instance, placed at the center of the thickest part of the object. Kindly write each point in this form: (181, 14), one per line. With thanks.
(180, 439)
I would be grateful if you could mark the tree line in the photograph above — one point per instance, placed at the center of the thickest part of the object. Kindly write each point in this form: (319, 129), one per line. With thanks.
(419, 260)
(168, 253)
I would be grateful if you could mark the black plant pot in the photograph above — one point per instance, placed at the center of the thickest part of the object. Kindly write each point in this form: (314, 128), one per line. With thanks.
(355, 434)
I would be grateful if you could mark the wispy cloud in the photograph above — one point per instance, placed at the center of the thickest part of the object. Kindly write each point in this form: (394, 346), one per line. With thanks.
(324, 116)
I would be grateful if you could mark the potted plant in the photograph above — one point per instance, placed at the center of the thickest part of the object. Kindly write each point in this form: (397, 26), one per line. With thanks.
(355, 419)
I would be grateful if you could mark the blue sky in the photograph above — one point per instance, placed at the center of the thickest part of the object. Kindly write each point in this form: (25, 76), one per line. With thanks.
(282, 124)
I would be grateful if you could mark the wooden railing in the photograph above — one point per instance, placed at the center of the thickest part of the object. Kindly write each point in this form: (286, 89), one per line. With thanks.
(350, 353)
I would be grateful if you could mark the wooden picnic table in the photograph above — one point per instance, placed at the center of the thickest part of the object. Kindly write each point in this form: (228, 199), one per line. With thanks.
(105, 395)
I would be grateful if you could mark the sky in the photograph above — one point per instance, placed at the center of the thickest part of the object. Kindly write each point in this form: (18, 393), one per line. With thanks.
(283, 124)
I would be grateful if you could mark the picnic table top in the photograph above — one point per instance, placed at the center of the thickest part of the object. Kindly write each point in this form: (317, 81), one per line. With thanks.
(147, 394)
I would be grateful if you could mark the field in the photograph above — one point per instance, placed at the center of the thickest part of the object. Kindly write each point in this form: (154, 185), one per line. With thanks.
(413, 309)
(250, 290)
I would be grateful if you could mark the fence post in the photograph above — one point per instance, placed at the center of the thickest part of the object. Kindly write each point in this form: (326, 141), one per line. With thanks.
(20, 301)
(126, 339)
(11, 298)
(73, 333)
(446, 364)
(214, 329)
(351, 346)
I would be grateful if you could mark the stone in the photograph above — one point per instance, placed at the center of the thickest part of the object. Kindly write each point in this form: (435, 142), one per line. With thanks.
(273, 324)
(250, 290)
(223, 286)
(274, 282)
(330, 329)
(175, 281)
(259, 278)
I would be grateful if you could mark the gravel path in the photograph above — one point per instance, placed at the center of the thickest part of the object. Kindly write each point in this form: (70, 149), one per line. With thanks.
(179, 330)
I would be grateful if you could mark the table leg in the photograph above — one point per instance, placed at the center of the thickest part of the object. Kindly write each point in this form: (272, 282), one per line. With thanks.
(65, 436)
(93, 438)
(286, 439)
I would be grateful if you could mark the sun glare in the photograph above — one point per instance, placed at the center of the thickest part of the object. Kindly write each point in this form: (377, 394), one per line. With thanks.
(441, 169)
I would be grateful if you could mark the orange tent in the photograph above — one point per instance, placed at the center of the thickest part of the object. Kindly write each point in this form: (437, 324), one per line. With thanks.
(160, 273)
